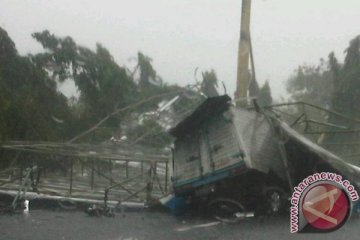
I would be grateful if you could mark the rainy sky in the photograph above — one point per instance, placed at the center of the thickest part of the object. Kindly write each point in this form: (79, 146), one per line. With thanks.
(181, 35)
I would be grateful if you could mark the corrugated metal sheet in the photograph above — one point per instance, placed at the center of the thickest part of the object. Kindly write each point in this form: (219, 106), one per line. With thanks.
(222, 143)
(187, 155)
(213, 147)
(205, 153)
(260, 143)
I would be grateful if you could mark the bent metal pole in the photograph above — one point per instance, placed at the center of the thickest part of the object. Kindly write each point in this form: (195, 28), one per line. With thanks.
(243, 52)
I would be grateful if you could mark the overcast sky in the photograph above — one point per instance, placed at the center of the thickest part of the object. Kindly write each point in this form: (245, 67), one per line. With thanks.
(180, 35)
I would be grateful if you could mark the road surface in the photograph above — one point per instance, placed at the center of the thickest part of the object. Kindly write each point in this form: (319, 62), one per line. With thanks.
(144, 224)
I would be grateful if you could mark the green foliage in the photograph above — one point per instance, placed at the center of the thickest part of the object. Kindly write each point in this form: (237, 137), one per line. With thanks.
(29, 99)
(264, 96)
(330, 84)
(334, 86)
(346, 98)
(209, 83)
(148, 77)
(347, 81)
(150, 84)
(103, 85)
(32, 108)
(312, 84)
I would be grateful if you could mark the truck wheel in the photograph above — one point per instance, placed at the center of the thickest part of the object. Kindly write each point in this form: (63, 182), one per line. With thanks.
(274, 198)
(226, 210)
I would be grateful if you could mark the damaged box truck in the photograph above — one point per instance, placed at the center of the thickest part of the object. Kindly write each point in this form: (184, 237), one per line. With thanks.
(235, 162)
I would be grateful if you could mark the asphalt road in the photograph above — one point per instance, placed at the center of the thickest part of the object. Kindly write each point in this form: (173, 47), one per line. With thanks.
(138, 225)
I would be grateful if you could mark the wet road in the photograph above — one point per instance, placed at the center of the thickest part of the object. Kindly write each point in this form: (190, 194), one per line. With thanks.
(49, 224)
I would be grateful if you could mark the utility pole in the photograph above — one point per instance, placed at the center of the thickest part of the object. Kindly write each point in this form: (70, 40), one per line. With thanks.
(242, 82)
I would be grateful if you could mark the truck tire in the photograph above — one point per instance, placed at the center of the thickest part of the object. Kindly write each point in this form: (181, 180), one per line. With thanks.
(274, 199)
(225, 209)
